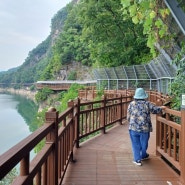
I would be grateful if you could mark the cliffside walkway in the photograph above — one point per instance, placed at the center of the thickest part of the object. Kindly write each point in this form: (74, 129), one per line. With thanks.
(107, 160)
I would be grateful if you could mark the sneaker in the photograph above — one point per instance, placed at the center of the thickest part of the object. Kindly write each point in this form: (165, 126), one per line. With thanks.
(138, 163)
(145, 158)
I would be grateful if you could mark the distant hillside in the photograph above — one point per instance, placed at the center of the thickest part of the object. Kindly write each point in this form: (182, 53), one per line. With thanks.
(39, 57)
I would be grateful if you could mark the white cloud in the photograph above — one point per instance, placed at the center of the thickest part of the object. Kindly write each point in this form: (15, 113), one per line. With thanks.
(24, 24)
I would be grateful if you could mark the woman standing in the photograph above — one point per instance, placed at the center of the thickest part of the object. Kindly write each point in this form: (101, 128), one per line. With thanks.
(140, 126)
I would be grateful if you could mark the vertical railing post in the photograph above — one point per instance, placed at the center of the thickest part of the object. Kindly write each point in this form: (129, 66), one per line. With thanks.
(149, 94)
(86, 93)
(38, 178)
(52, 116)
(79, 93)
(72, 128)
(125, 104)
(158, 128)
(70, 103)
(182, 145)
(120, 109)
(77, 123)
(159, 102)
(93, 93)
(103, 113)
(24, 166)
(155, 96)
(157, 136)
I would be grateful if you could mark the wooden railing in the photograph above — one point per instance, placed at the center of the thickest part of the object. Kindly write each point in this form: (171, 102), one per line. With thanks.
(64, 132)
(49, 165)
(63, 84)
(168, 142)
(171, 139)
(154, 96)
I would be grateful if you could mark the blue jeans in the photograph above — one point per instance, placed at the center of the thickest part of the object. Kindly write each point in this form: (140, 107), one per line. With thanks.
(139, 142)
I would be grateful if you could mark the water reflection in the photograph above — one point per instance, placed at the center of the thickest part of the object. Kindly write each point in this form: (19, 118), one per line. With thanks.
(28, 110)
(17, 119)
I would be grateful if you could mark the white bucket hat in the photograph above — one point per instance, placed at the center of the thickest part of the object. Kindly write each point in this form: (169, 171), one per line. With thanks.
(140, 94)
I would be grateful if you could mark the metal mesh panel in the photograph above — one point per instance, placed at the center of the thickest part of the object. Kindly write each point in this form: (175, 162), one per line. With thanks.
(120, 72)
(113, 84)
(157, 68)
(122, 84)
(132, 84)
(148, 76)
(101, 73)
(168, 67)
(154, 85)
(130, 72)
(150, 72)
(141, 72)
(110, 73)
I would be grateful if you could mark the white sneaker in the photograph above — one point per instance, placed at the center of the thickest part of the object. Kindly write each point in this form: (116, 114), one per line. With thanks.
(138, 163)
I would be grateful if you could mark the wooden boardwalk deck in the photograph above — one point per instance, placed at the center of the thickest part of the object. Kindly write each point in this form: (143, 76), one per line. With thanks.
(107, 160)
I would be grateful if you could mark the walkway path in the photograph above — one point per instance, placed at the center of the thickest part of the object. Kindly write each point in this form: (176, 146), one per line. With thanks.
(107, 160)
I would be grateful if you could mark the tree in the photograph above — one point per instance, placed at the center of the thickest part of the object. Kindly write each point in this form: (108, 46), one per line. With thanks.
(152, 15)
(112, 41)
(43, 94)
(178, 85)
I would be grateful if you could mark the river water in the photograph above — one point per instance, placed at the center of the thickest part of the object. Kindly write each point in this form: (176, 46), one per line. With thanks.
(17, 119)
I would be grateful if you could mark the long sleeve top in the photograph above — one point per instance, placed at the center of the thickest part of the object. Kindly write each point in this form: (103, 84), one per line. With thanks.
(138, 115)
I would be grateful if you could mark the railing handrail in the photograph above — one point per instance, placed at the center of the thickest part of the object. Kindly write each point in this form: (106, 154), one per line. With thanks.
(169, 138)
(10, 158)
(63, 132)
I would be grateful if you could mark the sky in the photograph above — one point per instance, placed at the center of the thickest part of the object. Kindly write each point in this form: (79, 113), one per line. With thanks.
(23, 25)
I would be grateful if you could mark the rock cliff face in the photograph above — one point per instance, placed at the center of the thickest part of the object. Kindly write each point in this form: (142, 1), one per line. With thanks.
(83, 72)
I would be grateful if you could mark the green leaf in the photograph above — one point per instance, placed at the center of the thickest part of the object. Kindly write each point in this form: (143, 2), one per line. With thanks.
(152, 14)
(162, 33)
(135, 20)
(145, 5)
(125, 3)
(132, 10)
(158, 23)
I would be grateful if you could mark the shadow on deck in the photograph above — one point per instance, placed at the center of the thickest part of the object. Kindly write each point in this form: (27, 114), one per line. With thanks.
(107, 160)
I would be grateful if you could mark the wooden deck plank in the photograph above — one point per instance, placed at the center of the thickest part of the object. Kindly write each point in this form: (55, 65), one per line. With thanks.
(107, 160)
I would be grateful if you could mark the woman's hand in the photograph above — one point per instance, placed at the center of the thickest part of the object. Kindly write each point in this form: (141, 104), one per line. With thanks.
(163, 107)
